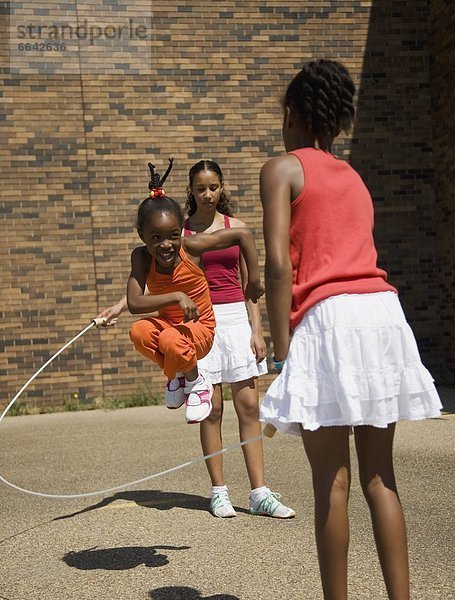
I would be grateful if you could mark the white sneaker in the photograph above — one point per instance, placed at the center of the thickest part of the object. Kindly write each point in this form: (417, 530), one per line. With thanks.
(198, 400)
(270, 506)
(175, 392)
(220, 505)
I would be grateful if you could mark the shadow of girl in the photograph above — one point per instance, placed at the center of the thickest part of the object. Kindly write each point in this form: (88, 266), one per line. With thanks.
(128, 557)
(152, 499)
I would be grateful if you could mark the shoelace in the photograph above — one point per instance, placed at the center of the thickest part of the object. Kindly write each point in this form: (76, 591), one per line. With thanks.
(199, 387)
(269, 503)
(220, 499)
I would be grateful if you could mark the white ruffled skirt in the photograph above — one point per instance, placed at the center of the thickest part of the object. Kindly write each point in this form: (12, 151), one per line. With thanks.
(353, 360)
(231, 359)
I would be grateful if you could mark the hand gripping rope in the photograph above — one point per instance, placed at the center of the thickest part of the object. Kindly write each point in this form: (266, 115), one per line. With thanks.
(269, 431)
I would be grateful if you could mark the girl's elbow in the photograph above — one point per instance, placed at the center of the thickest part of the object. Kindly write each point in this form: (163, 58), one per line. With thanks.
(133, 307)
(278, 272)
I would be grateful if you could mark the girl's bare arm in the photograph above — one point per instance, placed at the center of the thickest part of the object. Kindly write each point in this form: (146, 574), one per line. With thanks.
(257, 342)
(225, 238)
(276, 202)
(111, 313)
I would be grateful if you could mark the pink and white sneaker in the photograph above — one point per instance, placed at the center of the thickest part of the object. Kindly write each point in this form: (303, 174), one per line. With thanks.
(175, 392)
(198, 400)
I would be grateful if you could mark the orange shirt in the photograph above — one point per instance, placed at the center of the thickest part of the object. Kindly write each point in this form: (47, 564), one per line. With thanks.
(187, 278)
(331, 238)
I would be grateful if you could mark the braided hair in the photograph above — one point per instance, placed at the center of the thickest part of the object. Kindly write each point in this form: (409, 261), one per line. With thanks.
(321, 94)
(224, 203)
(157, 201)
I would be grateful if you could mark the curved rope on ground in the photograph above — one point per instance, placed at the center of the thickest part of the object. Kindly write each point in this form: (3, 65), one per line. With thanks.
(97, 322)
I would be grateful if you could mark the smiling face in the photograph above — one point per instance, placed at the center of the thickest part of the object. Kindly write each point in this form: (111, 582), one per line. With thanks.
(206, 188)
(162, 236)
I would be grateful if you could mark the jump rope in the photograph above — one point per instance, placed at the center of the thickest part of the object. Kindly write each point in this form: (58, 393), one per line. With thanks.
(269, 431)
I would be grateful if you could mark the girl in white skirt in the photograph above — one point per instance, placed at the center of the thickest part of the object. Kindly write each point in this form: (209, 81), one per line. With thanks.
(238, 353)
(352, 360)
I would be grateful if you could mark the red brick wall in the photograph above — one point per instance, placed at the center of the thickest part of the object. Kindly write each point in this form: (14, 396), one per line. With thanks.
(77, 146)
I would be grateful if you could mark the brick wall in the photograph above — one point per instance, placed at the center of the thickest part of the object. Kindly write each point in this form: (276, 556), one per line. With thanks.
(74, 168)
(442, 69)
(393, 150)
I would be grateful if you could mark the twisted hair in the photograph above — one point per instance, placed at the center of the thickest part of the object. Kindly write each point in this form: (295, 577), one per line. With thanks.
(157, 204)
(224, 203)
(321, 94)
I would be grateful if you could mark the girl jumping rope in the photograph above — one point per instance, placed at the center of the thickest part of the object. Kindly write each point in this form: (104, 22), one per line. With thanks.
(352, 360)
(238, 353)
(167, 265)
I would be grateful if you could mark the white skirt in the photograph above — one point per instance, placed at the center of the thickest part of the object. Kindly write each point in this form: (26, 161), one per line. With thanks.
(353, 360)
(231, 359)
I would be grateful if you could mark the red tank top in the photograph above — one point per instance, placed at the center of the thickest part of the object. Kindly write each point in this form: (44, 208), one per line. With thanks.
(331, 237)
(221, 268)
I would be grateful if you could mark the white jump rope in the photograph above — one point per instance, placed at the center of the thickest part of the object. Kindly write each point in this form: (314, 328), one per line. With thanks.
(269, 431)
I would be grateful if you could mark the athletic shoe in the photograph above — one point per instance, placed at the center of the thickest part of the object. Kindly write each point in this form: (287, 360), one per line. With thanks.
(220, 505)
(175, 392)
(270, 506)
(198, 400)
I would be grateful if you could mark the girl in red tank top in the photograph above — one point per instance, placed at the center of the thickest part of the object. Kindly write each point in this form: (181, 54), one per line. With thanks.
(352, 360)
(238, 353)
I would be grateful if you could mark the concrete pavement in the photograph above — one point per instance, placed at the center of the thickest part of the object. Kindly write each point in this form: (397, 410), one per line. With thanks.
(156, 540)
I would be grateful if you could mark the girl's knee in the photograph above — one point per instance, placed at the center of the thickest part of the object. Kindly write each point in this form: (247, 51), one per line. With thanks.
(216, 414)
(138, 333)
(248, 411)
(217, 404)
(167, 337)
(171, 341)
(342, 480)
(332, 482)
(246, 400)
(375, 484)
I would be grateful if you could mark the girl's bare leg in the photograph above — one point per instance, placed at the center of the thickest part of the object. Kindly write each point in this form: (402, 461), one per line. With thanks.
(246, 403)
(210, 435)
(374, 450)
(328, 453)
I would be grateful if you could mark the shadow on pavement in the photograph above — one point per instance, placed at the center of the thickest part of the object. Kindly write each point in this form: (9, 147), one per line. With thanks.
(185, 593)
(153, 499)
(128, 557)
(447, 396)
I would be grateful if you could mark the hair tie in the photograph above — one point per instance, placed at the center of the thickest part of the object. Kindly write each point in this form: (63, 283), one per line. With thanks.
(156, 191)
